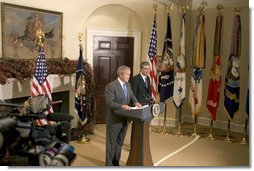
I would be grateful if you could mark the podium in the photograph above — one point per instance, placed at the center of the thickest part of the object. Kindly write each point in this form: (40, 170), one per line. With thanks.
(140, 154)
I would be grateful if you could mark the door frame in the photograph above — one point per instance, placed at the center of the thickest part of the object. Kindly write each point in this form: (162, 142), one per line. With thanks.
(91, 32)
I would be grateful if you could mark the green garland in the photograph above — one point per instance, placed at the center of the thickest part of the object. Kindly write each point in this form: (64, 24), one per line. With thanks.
(22, 69)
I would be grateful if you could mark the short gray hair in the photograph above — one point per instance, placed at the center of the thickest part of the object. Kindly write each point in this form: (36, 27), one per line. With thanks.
(122, 68)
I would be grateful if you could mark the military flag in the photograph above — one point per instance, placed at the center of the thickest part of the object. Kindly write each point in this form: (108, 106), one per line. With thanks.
(80, 99)
(166, 78)
(198, 64)
(232, 78)
(180, 71)
(213, 97)
(40, 84)
(152, 58)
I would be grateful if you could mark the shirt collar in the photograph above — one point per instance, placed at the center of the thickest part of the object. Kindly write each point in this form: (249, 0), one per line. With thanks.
(143, 76)
(120, 81)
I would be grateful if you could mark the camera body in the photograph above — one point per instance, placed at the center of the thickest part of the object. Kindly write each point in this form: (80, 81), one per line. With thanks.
(24, 143)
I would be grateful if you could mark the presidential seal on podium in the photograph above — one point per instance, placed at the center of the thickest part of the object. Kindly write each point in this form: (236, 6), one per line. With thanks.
(155, 110)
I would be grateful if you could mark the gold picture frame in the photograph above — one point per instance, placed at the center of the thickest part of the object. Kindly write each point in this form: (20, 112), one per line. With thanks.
(18, 31)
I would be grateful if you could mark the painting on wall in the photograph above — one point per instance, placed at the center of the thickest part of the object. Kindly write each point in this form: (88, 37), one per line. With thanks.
(19, 26)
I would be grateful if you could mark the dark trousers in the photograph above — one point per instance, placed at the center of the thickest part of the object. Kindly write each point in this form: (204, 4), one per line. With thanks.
(115, 134)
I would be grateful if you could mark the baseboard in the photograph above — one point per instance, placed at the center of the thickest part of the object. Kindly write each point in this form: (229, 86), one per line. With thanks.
(170, 122)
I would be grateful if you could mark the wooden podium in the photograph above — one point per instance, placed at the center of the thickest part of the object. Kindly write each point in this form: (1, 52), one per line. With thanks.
(140, 154)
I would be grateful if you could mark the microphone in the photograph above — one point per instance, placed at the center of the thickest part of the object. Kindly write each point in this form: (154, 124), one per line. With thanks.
(58, 117)
(10, 104)
(149, 98)
(29, 116)
(9, 107)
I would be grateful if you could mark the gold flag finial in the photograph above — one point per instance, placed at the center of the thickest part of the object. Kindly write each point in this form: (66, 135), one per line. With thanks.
(80, 37)
(155, 7)
(169, 8)
(185, 8)
(237, 11)
(40, 38)
(219, 8)
(201, 9)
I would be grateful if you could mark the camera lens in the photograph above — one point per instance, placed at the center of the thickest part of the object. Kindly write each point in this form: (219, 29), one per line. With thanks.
(49, 154)
(7, 125)
(64, 156)
(1, 140)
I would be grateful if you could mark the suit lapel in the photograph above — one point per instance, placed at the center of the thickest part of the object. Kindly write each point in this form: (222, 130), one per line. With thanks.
(148, 80)
(119, 87)
(142, 81)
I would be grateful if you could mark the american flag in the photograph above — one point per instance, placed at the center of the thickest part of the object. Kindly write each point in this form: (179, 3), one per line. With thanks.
(41, 85)
(152, 58)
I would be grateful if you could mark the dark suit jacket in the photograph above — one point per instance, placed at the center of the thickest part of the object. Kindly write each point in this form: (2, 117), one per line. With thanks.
(139, 89)
(114, 97)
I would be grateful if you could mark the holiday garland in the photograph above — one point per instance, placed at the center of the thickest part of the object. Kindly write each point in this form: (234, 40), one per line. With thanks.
(22, 69)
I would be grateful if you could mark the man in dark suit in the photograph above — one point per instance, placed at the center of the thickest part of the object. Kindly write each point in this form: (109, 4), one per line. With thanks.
(118, 95)
(141, 85)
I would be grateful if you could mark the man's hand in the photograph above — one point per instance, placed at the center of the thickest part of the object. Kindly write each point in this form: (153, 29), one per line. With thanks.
(125, 107)
(138, 105)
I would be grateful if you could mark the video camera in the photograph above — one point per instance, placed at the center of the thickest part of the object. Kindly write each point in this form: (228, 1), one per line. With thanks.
(24, 143)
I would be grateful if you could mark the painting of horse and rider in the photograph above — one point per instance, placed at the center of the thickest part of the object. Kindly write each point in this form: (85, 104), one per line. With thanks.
(19, 27)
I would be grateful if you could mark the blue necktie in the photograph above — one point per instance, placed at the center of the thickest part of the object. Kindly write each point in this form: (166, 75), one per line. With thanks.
(125, 91)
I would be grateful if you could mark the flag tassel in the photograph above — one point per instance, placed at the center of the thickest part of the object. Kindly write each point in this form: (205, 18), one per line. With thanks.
(164, 129)
(194, 134)
(210, 135)
(244, 140)
(227, 139)
(152, 130)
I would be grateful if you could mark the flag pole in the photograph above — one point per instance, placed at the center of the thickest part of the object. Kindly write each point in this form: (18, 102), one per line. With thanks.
(83, 139)
(181, 51)
(227, 139)
(198, 64)
(210, 135)
(212, 94)
(164, 129)
(244, 140)
(168, 8)
(179, 133)
(194, 134)
(153, 130)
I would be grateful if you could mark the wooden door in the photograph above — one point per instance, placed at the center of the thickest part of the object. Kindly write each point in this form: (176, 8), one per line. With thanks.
(108, 54)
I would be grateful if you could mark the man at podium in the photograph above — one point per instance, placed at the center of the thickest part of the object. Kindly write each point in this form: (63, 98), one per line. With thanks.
(118, 95)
